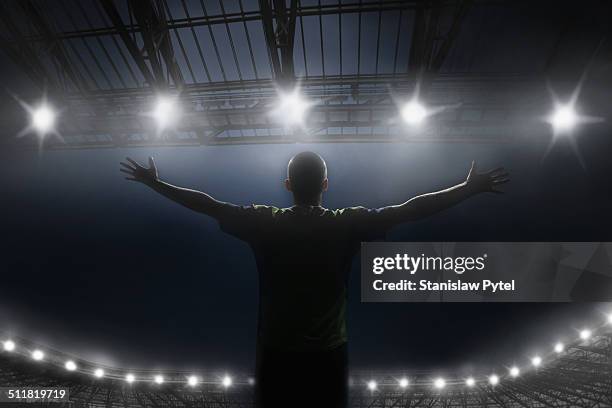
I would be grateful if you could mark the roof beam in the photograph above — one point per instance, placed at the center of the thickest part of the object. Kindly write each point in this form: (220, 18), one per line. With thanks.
(424, 62)
(279, 29)
(28, 58)
(128, 41)
(154, 29)
(21, 52)
(56, 49)
(452, 34)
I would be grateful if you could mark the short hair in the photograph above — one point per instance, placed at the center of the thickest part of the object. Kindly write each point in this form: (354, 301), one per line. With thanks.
(306, 171)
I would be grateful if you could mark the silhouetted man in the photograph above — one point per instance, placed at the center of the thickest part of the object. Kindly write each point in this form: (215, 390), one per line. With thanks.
(303, 256)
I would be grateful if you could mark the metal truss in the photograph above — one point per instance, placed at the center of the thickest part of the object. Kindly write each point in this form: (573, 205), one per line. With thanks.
(581, 377)
(104, 65)
(352, 109)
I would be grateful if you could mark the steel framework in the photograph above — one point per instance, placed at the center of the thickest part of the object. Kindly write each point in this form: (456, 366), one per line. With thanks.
(580, 377)
(103, 62)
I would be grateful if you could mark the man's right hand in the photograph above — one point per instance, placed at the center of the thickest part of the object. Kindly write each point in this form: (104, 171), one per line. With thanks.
(137, 172)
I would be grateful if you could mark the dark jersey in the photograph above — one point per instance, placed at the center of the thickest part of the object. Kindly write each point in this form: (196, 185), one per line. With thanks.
(303, 257)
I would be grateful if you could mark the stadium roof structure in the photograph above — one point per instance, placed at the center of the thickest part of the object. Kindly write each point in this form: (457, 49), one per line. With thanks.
(481, 63)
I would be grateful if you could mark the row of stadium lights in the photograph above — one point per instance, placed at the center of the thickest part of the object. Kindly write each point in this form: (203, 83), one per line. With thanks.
(438, 383)
(70, 365)
(514, 371)
(291, 109)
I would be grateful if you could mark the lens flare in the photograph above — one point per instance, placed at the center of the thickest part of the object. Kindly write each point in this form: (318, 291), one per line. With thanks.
(227, 381)
(38, 355)
(536, 361)
(43, 119)
(414, 113)
(9, 345)
(514, 372)
(291, 108)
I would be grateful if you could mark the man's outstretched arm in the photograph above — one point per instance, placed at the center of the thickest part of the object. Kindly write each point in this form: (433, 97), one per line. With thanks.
(431, 203)
(193, 199)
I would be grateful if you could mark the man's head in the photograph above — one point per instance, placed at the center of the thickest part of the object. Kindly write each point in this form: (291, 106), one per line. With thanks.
(306, 178)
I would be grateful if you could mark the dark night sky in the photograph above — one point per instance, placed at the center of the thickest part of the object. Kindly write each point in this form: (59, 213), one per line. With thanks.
(107, 269)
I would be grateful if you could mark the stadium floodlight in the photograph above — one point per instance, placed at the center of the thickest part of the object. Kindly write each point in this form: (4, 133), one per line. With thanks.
(251, 381)
(585, 334)
(372, 385)
(70, 365)
(403, 382)
(493, 379)
(440, 383)
(610, 318)
(564, 118)
(291, 108)
(130, 378)
(38, 355)
(99, 373)
(470, 382)
(192, 381)
(536, 361)
(559, 347)
(9, 345)
(166, 112)
(227, 381)
(159, 379)
(43, 119)
(413, 113)
(514, 371)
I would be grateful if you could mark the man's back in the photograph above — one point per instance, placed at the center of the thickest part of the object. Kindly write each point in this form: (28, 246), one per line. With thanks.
(303, 256)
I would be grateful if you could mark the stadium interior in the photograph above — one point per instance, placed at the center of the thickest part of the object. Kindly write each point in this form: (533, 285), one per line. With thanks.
(523, 81)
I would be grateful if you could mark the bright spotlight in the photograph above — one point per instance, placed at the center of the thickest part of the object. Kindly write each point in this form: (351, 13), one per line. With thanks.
(130, 378)
(413, 113)
(291, 108)
(493, 379)
(559, 347)
(158, 379)
(166, 112)
(536, 361)
(38, 355)
(251, 381)
(227, 381)
(439, 383)
(43, 119)
(610, 318)
(564, 118)
(70, 365)
(192, 381)
(470, 382)
(9, 345)
(403, 382)
(372, 385)
(585, 334)
(99, 373)
(514, 371)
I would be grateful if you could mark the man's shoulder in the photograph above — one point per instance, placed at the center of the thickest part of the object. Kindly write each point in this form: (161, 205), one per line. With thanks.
(263, 211)
(348, 211)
